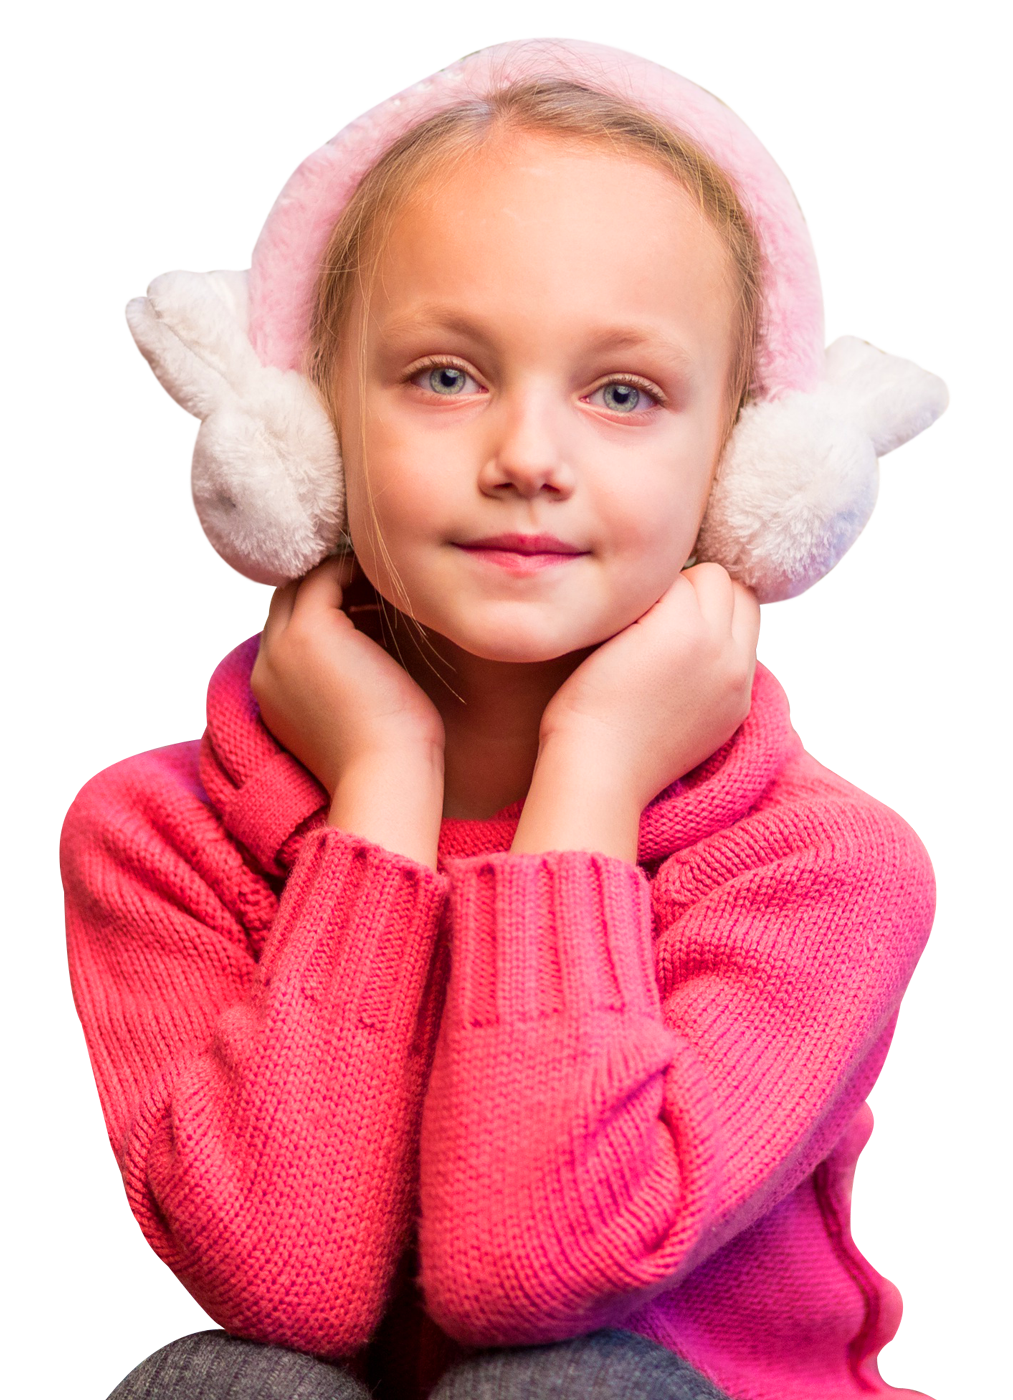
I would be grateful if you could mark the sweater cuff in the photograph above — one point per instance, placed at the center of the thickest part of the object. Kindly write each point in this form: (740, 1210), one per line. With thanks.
(269, 806)
(356, 926)
(557, 932)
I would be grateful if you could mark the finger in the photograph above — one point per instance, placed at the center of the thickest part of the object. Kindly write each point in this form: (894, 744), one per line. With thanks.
(324, 586)
(677, 597)
(745, 617)
(280, 610)
(747, 612)
(715, 594)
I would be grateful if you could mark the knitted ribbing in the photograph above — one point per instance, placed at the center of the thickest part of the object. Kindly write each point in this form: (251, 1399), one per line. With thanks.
(643, 1099)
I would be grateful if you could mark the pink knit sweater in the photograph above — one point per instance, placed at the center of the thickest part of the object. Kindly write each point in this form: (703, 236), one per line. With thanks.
(588, 1092)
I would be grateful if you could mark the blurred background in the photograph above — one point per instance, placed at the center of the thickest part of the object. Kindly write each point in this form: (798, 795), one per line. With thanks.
(822, 647)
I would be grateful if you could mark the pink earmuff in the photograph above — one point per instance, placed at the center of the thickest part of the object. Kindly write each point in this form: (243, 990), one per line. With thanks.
(798, 478)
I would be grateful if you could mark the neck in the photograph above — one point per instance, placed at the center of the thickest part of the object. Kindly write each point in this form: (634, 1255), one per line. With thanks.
(491, 712)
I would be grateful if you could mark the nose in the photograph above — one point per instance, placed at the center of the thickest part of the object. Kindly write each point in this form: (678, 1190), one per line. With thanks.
(527, 456)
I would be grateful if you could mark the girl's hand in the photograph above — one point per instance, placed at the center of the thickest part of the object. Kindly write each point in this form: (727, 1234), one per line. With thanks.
(332, 696)
(660, 696)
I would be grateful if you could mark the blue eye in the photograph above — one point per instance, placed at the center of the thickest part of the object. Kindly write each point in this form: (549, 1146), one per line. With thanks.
(622, 397)
(447, 380)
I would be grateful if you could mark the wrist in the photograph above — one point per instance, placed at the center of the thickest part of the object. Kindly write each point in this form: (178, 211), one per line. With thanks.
(592, 754)
(580, 798)
(393, 796)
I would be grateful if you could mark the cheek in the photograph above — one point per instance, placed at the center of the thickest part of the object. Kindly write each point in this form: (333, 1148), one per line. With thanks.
(385, 496)
(392, 482)
(364, 526)
(371, 460)
(653, 505)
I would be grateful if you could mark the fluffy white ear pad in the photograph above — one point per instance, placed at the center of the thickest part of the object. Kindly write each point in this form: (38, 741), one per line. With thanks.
(794, 489)
(267, 479)
(893, 399)
(268, 485)
(799, 476)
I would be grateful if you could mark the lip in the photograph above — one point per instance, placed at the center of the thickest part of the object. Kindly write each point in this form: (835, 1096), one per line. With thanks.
(523, 554)
(524, 544)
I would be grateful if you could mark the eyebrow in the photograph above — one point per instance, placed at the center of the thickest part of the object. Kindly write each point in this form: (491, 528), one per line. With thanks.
(440, 318)
(646, 337)
(435, 318)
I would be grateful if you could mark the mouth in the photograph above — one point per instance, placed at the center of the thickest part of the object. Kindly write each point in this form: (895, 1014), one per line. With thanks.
(523, 554)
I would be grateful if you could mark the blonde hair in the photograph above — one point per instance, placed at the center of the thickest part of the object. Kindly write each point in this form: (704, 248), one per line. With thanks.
(552, 105)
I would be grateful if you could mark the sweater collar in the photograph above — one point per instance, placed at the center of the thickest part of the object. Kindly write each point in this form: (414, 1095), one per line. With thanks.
(268, 801)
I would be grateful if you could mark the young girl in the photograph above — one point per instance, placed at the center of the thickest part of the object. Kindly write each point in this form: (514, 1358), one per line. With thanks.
(486, 1006)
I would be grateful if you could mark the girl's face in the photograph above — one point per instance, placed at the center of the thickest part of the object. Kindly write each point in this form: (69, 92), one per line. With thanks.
(530, 440)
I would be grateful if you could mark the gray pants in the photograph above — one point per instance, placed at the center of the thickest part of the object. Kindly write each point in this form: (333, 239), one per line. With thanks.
(608, 1365)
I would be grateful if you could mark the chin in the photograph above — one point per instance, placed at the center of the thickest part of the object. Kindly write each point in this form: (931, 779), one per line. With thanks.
(519, 640)
(519, 654)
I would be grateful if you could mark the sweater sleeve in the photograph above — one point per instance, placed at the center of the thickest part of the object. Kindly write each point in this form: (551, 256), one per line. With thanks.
(263, 1111)
(629, 1073)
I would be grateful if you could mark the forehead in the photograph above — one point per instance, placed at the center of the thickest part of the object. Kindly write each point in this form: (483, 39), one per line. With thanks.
(564, 189)
(537, 230)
